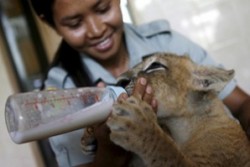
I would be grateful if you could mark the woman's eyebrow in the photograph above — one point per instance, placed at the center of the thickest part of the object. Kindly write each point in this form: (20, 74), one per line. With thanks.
(68, 18)
(97, 3)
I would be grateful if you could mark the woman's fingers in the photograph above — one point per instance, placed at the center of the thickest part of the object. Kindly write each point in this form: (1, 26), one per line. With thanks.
(154, 105)
(140, 87)
(122, 97)
(148, 94)
(101, 84)
(145, 92)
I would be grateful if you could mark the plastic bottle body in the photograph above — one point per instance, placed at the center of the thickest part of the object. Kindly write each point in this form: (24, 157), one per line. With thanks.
(36, 115)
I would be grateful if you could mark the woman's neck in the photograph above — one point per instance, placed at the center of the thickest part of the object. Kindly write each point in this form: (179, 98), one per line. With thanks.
(118, 63)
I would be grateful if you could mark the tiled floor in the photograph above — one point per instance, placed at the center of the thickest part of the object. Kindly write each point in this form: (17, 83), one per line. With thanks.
(222, 27)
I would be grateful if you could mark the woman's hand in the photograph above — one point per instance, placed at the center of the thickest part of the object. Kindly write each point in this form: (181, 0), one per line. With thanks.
(145, 92)
(109, 154)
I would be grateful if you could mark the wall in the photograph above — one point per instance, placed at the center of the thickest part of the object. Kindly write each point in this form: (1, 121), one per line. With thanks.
(220, 26)
(50, 38)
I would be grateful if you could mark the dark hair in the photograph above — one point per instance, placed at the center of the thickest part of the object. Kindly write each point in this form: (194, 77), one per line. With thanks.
(66, 57)
(71, 61)
(44, 10)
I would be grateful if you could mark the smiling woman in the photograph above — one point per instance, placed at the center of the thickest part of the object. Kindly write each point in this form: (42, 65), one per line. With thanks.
(92, 27)
(91, 31)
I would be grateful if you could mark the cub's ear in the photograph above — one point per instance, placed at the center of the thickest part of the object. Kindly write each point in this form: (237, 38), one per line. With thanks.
(210, 78)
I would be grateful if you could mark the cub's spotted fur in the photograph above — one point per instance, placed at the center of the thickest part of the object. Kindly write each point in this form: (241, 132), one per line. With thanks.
(191, 127)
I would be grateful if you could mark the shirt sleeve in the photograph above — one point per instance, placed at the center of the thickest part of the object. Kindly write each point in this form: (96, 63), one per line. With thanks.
(58, 78)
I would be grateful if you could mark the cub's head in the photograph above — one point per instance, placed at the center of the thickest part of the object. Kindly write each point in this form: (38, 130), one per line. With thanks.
(178, 83)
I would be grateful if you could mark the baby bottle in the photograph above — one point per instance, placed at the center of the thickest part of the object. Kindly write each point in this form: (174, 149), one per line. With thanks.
(36, 115)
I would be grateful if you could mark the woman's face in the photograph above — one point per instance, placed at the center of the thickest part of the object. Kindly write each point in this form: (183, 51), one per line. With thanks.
(91, 26)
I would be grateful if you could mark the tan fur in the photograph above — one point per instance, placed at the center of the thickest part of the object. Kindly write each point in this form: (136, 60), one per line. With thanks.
(191, 127)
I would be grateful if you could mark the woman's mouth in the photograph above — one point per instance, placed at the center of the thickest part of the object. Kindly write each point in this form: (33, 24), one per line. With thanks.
(104, 45)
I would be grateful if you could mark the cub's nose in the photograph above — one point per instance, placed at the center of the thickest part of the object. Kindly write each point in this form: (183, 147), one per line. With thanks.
(127, 83)
(123, 82)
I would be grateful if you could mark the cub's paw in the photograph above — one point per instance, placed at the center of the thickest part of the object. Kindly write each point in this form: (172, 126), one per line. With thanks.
(132, 122)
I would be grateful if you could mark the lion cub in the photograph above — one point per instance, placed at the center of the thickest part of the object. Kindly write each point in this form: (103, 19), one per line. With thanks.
(191, 127)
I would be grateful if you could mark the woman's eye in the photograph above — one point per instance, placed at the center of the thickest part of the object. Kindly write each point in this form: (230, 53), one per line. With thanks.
(103, 8)
(156, 66)
(74, 24)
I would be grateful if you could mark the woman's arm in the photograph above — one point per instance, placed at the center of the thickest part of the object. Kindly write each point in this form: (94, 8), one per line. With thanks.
(239, 104)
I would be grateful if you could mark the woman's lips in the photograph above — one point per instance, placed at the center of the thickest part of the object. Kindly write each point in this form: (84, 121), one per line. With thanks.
(103, 45)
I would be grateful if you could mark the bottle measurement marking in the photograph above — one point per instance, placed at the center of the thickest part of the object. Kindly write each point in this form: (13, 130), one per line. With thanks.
(53, 101)
(45, 100)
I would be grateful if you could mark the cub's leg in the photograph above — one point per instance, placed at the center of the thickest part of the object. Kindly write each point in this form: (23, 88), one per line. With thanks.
(134, 127)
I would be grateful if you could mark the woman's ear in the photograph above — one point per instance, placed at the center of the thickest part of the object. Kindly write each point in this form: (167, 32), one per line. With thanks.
(42, 17)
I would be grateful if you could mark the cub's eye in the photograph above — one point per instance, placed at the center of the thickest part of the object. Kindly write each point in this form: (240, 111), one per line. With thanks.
(155, 67)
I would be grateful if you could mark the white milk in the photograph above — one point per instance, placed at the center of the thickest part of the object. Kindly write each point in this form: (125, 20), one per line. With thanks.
(37, 115)
(80, 119)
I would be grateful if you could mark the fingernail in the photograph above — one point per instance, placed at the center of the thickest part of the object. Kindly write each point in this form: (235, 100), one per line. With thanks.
(124, 95)
(149, 90)
(143, 81)
(100, 85)
(154, 105)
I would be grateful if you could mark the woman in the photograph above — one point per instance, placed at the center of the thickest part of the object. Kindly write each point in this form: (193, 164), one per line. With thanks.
(96, 48)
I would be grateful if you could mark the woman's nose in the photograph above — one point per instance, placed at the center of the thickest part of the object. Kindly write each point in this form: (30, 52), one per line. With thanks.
(95, 27)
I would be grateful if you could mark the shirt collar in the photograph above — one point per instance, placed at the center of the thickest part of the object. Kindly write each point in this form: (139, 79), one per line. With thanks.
(96, 71)
(137, 45)
(138, 39)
